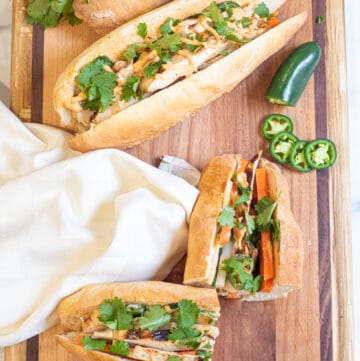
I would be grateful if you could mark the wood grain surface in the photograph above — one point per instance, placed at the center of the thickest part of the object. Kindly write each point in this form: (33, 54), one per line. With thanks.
(312, 324)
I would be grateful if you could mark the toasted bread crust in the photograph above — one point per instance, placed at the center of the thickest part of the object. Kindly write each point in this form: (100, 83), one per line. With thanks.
(154, 115)
(106, 15)
(288, 252)
(203, 251)
(150, 292)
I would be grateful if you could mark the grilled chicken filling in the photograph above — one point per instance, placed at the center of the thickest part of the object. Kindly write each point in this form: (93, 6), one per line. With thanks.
(185, 46)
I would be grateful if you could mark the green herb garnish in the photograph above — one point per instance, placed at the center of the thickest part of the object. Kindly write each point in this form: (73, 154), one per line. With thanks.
(154, 318)
(142, 30)
(130, 89)
(262, 10)
(93, 344)
(265, 209)
(227, 217)
(120, 348)
(113, 314)
(97, 84)
(320, 20)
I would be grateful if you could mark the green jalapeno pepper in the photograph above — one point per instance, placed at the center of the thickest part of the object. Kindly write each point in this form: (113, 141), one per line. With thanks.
(297, 157)
(281, 146)
(276, 123)
(320, 153)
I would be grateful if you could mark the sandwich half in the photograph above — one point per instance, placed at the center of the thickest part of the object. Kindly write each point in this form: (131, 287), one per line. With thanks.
(148, 321)
(243, 238)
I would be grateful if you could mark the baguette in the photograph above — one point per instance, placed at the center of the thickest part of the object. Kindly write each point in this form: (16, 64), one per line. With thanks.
(206, 266)
(106, 15)
(181, 85)
(81, 317)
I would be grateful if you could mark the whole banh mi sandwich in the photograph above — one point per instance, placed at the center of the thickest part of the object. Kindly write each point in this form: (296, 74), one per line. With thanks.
(162, 67)
(243, 238)
(106, 15)
(148, 321)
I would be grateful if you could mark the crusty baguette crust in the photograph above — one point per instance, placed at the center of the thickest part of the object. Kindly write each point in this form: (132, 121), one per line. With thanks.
(203, 251)
(106, 15)
(90, 297)
(84, 354)
(154, 115)
(288, 252)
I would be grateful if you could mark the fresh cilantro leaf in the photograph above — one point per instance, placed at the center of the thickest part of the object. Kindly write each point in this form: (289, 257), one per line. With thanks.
(188, 314)
(114, 315)
(227, 217)
(250, 225)
(189, 337)
(265, 209)
(97, 84)
(154, 318)
(130, 89)
(241, 200)
(92, 344)
(142, 30)
(245, 22)
(131, 53)
(224, 53)
(239, 270)
(191, 47)
(48, 13)
(205, 355)
(173, 358)
(262, 10)
(214, 13)
(166, 28)
(228, 6)
(152, 69)
(120, 348)
(171, 42)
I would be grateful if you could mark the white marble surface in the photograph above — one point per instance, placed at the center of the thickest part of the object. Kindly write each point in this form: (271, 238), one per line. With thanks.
(352, 8)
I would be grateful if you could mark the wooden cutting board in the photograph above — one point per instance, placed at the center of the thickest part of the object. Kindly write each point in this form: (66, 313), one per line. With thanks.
(312, 324)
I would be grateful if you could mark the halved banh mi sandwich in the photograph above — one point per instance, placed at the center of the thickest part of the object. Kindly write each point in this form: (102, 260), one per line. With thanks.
(148, 321)
(243, 238)
(160, 68)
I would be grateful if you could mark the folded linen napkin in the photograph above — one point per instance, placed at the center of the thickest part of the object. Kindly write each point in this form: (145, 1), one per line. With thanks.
(70, 219)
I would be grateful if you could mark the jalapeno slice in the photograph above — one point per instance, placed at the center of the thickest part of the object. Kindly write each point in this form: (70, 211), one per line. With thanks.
(297, 157)
(275, 124)
(320, 153)
(281, 146)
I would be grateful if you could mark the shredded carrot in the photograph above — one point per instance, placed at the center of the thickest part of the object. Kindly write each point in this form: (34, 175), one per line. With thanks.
(79, 339)
(225, 234)
(189, 352)
(232, 295)
(266, 286)
(266, 255)
(273, 21)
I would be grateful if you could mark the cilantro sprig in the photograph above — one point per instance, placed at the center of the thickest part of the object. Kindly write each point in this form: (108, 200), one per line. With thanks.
(120, 348)
(113, 314)
(97, 84)
(265, 209)
(154, 318)
(93, 344)
(262, 10)
(131, 89)
(48, 13)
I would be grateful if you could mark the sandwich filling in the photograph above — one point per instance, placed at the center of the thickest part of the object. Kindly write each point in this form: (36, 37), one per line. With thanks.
(179, 331)
(247, 230)
(184, 46)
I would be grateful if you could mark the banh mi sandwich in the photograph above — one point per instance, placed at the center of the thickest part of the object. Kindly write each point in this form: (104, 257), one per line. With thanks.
(148, 321)
(243, 238)
(160, 68)
(106, 15)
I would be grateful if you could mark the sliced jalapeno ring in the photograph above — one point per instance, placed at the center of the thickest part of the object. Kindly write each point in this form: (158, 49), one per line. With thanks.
(276, 123)
(297, 157)
(281, 146)
(320, 153)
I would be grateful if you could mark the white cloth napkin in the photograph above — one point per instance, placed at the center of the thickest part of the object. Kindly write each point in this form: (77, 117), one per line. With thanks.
(67, 220)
